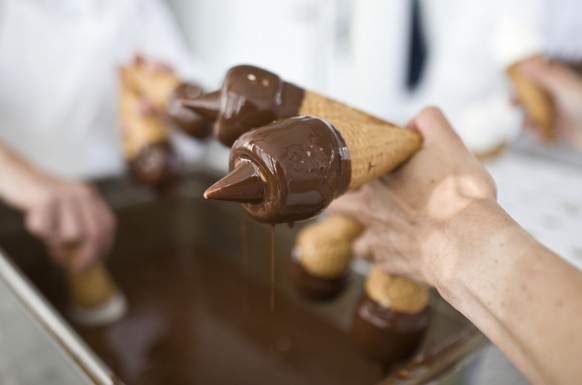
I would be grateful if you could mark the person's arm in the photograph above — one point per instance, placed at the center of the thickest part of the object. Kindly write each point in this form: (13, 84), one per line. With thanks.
(565, 89)
(436, 220)
(59, 212)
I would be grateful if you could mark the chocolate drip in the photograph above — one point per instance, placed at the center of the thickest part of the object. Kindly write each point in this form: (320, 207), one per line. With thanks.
(251, 97)
(385, 335)
(191, 122)
(303, 161)
(155, 164)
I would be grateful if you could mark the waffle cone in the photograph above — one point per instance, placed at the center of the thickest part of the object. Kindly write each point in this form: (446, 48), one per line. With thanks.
(139, 129)
(155, 86)
(324, 248)
(536, 103)
(91, 288)
(395, 293)
(375, 147)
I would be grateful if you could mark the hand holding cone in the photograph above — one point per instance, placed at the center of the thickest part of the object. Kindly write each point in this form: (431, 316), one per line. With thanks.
(536, 102)
(146, 146)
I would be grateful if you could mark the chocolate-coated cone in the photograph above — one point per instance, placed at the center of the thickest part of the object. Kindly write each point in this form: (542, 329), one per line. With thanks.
(207, 105)
(243, 184)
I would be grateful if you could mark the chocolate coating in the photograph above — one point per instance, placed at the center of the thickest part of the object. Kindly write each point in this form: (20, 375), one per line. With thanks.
(304, 162)
(385, 335)
(250, 97)
(155, 164)
(189, 121)
(315, 288)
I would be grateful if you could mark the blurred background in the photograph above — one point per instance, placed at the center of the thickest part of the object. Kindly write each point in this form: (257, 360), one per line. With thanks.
(59, 85)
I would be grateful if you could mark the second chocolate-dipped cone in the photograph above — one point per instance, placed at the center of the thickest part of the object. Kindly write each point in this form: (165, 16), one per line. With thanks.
(207, 105)
(242, 184)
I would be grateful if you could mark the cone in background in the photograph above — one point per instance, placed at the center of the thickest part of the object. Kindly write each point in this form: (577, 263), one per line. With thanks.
(391, 318)
(322, 257)
(95, 298)
(535, 101)
(147, 150)
(307, 162)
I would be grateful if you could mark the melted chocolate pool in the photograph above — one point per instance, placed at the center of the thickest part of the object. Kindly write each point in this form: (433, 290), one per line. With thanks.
(185, 326)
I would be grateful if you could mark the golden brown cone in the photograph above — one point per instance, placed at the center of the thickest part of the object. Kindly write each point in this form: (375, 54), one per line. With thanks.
(139, 129)
(156, 86)
(536, 102)
(91, 288)
(324, 248)
(375, 147)
(395, 293)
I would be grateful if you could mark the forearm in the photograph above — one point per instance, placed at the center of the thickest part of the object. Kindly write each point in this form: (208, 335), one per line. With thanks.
(522, 296)
(17, 178)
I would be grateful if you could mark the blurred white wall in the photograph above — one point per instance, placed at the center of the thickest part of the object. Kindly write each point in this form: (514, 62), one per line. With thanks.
(295, 38)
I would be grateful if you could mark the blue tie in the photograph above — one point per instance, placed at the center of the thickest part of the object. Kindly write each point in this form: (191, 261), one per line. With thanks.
(417, 48)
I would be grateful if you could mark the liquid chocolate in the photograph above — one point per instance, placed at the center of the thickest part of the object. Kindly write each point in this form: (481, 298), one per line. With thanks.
(315, 288)
(250, 98)
(302, 162)
(155, 164)
(385, 335)
(184, 326)
(189, 121)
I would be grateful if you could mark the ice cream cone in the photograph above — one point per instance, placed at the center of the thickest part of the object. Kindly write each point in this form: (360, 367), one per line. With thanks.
(304, 163)
(95, 298)
(157, 86)
(397, 294)
(536, 102)
(324, 249)
(145, 139)
(139, 129)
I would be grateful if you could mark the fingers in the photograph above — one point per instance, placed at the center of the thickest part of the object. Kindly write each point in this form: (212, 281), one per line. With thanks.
(434, 127)
(75, 214)
(552, 76)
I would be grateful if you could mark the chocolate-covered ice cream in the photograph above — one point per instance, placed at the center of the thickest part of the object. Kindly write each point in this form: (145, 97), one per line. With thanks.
(250, 97)
(386, 335)
(287, 171)
(189, 121)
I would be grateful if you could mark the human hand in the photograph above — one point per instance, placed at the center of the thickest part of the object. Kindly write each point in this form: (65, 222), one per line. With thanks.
(565, 88)
(406, 212)
(59, 212)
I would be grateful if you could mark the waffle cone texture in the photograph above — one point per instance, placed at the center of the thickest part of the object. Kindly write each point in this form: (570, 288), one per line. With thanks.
(395, 293)
(139, 130)
(375, 147)
(324, 248)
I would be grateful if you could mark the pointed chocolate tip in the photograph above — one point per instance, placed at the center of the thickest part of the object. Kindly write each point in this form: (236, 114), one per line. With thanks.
(207, 105)
(243, 185)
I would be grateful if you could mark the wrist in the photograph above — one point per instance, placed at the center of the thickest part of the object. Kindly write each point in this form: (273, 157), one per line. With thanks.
(472, 243)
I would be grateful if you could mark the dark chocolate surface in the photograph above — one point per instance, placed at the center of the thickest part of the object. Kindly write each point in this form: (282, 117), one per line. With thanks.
(385, 335)
(304, 162)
